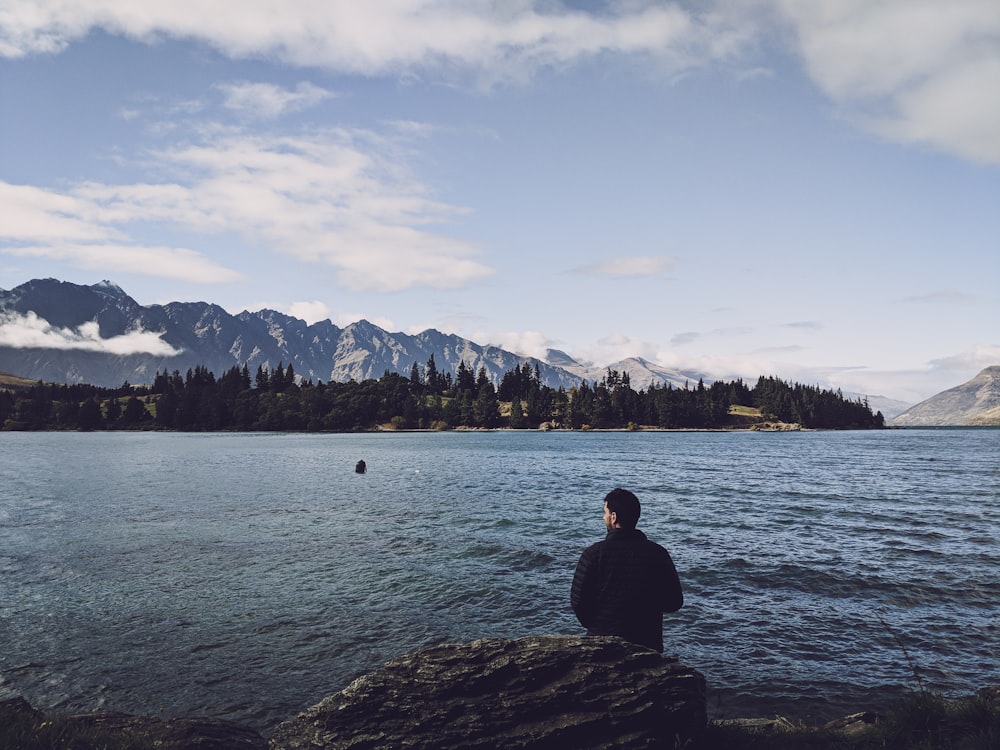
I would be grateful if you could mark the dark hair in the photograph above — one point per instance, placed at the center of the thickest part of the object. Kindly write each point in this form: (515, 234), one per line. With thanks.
(625, 506)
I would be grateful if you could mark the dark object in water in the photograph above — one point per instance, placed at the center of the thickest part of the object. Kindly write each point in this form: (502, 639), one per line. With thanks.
(360, 467)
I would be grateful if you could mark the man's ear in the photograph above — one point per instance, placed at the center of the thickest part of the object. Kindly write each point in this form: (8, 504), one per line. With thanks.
(614, 518)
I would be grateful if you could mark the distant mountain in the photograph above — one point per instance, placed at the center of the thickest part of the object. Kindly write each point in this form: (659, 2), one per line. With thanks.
(61, 332)
(642, 373)
(66, 333)
(889, 407)
(975, 403)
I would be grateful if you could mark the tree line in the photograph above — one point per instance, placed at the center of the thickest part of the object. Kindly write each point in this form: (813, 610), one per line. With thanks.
(278, 400)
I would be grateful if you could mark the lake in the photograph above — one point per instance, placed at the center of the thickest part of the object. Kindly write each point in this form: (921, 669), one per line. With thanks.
(247, 576)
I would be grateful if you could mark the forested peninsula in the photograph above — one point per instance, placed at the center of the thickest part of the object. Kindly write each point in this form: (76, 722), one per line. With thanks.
(277, 400)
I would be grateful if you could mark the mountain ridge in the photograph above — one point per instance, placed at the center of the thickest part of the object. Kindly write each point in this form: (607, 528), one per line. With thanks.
(62, 332)
(99, 335)
(975, 403)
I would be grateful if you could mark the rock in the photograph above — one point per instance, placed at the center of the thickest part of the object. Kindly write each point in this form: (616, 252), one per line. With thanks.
(185, 733)
(854, 724)
(850, 726)
(989, 694)
(19, 710)
(164, 734)
(536, 692)
(776, 724)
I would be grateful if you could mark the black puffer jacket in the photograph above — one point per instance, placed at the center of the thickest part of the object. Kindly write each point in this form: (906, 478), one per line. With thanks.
(623, 585)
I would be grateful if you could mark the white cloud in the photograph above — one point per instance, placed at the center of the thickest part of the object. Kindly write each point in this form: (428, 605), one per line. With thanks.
(639, 265)
(73, 227)
(956, 110)
(267, 101)
(524, 343)
(162, 262)
(310, 312)
(495, 38)
(617, 346)
(29, 332)
(339, 198)
(923, 72)
(975, 359)
(33, 214)
(917, 71)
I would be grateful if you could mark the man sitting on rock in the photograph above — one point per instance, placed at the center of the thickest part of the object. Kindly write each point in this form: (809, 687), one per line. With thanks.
(624, 584)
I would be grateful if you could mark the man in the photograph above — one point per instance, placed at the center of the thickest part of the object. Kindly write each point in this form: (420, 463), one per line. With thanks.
(624, 584)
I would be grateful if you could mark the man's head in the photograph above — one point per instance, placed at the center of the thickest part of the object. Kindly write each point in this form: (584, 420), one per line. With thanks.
(621, 509)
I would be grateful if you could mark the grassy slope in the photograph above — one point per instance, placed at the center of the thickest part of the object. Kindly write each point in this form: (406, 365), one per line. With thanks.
(15, 382)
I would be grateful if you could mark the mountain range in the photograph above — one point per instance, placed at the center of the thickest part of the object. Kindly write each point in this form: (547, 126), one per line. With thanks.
(61, 332)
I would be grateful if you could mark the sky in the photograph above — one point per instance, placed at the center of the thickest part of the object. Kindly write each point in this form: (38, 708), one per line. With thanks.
(808, 189)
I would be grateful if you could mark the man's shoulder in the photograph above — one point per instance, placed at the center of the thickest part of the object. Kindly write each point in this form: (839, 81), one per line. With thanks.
(594, 548)
(655, 545)
(651, 548)
(624, 537)
(627, 536)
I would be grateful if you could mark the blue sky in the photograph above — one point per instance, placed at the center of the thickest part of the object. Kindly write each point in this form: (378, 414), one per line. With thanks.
(805, 189)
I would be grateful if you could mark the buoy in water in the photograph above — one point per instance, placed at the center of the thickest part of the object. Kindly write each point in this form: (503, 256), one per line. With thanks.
(360, 467)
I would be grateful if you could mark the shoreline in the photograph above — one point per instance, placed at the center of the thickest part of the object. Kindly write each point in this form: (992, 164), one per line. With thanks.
(914, 712)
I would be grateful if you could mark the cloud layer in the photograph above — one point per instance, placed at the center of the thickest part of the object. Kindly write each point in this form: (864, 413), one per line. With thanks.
(31, 332)
(921, 72)
(916, 71)
(337, 198)
(491, 37)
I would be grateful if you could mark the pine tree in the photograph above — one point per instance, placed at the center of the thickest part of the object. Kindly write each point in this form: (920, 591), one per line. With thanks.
(262, 381)
(134, 412)
(433, 379)
(465, 380)
(516, 414)
(114, 412)
(90, 417)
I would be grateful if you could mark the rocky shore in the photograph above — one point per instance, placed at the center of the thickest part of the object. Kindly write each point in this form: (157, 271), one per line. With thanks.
(539, 693)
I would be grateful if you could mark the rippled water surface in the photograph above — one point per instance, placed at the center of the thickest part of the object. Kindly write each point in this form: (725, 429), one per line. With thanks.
(247, 576)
